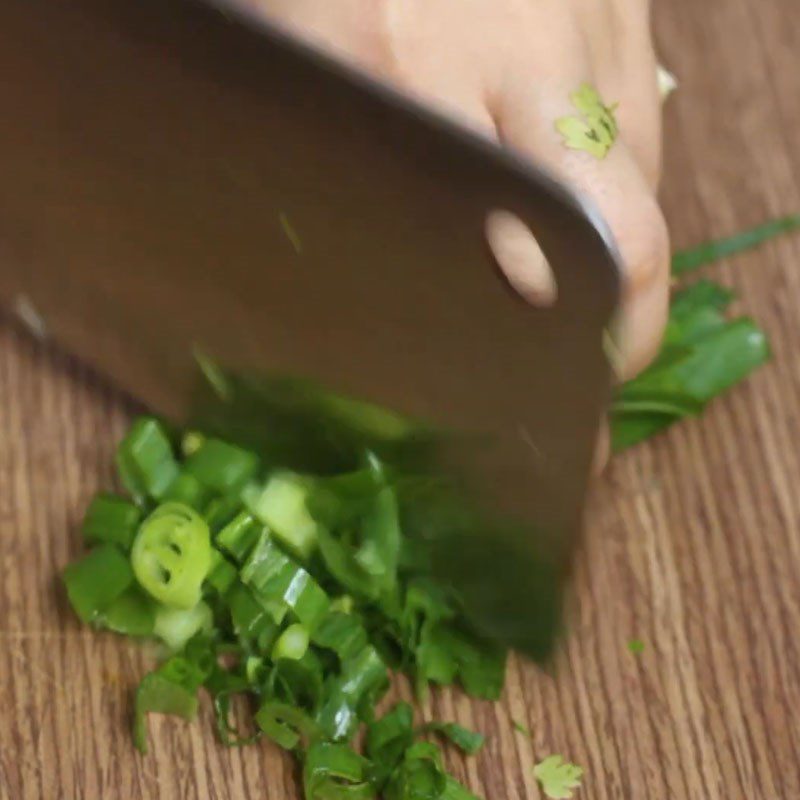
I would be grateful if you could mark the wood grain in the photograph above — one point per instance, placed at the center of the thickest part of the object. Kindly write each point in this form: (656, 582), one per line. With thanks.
(693, 543)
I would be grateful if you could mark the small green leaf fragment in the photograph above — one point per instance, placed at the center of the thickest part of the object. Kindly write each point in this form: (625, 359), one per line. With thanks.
(557, 777)
(521, 728)
(636, 646)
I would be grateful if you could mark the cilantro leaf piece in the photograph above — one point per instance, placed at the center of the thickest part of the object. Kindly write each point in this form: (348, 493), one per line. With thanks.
(595, 130)
(558, 777)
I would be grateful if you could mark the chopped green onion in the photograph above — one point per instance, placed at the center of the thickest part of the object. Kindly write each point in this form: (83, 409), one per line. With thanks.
(221, 466)
(96, 580)
(239, 536)
(281, 505)
(278, 581)
(286, 725)
(133, 613)
(299, 682)
(171, 689)
(171, 555)
(343, 633)
(188, 490)
(251, 623)
(468, 741)
(388, 739)
(292, 644)
(228, 734)
(111, 519)
(145, 460)
(254, 668)
(362, 681)
(222, 574)
(420, 775)
(454, 790)
(244, 617)
(335, 772)
(175, 626)
(220, 511)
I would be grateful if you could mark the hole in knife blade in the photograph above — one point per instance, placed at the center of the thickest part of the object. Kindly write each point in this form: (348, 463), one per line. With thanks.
(520, 258)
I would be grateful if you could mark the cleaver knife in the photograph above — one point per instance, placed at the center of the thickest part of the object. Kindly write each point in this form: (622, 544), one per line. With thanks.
(183, 183)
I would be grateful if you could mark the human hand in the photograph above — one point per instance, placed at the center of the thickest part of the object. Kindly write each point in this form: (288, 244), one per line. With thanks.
(508, 68)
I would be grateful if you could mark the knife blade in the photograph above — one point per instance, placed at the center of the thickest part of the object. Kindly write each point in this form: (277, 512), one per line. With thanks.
(180, 178)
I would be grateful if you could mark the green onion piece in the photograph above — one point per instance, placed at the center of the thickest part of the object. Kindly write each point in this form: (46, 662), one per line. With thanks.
(239, 536)
(710, 252)
(445, 653)
(229, 735)
(709, 366)
(421, 774)
(188, 490)
(481, 666)
(435, 661)
(224, 686)
(352, 696)
(171, 555)
(454, 790)
(343, 603)
(220, 511)
(286, 725)
(145, 460)
(363, 502)
(96, 580)
(696, 311)
(292, 644)
(175, 626)
(251, 623)
(380, 551)
(281, 505)
(222, 574)
(133, 613)
(254, 669)
(336, 772)
(340, 560)
(171, 689)
(277, 580)
(297, 682)
(465, 740)
(342, 633)
(111, 519)
(388, 739)
(222, 467)
(160, 695)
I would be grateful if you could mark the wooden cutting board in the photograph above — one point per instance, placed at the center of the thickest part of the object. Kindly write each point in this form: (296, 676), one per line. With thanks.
(693, 545)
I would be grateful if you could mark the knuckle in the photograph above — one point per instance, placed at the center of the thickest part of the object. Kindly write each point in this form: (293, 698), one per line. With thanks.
(644, 244)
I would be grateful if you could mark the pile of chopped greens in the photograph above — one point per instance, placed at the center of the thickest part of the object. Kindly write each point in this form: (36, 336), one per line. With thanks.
(294, 591)
(301, 593)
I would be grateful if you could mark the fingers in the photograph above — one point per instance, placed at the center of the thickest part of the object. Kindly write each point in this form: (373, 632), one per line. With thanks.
(629, 78)
(525, 116)
(602, 450)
